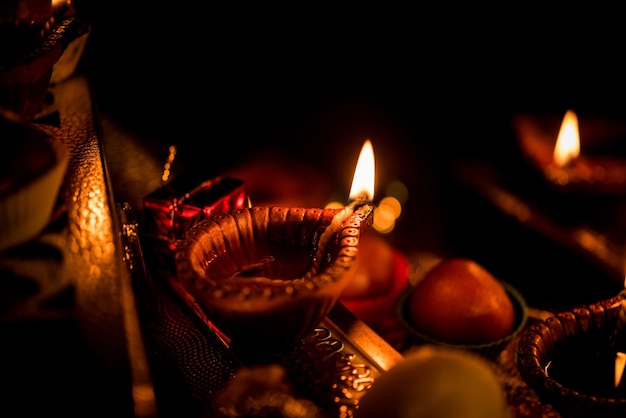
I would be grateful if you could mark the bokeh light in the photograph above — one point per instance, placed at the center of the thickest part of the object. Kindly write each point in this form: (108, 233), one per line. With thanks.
(388, 210)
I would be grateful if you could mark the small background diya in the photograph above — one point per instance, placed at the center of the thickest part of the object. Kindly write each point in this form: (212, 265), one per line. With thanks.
(585, 154)
(267, 276)
(575, 359)
(577, 182)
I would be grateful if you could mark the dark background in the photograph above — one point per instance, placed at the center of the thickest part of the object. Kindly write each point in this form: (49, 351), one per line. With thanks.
(299, 78)
(429, 86)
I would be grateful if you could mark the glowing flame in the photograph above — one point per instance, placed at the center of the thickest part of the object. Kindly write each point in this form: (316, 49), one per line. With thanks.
(567, 146)
(364, 174)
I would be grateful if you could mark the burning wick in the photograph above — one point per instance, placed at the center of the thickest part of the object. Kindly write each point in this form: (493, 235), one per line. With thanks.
(363, 181)
(567, 146)
(362, 189)
(563, 169)
(338, 220)
(361, 192)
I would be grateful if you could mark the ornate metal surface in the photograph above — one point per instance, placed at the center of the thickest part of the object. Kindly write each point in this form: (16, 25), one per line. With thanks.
(80, 322)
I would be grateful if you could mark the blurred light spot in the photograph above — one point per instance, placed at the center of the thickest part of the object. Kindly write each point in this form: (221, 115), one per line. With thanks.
(334, 205)
(391, 204)
(398, 190)
(384, 220)
(388, 210)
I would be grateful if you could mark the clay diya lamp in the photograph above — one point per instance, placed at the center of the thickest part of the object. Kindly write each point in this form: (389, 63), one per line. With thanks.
(574, 360)
(267, 276)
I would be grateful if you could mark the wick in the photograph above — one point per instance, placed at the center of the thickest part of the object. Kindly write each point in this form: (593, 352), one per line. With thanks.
(334, 226)
(340, 217)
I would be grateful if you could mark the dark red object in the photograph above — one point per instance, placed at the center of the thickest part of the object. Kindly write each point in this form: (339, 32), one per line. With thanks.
(379, 312)
(186, 200)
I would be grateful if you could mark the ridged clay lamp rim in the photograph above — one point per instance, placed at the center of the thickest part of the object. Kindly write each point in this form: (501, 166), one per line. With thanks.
(214, 239)
(538, 344)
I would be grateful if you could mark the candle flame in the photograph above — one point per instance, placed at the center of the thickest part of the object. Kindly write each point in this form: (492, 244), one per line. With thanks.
(567, 146)
(364, 174)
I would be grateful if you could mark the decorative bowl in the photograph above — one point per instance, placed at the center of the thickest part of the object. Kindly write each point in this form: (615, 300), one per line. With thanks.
(489, 350)
(26, 72)
(267, 276)
(569, 359)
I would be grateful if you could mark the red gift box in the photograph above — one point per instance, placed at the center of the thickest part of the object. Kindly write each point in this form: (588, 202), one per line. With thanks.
(185, 201)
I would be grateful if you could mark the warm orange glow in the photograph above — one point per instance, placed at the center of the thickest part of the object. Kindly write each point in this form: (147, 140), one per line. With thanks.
(58, 4)
(384, 220)
(364, 174)
(624, 282)
(567, 146)
(620, 364)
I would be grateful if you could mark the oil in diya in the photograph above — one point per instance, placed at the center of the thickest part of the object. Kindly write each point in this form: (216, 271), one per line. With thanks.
(267, 276)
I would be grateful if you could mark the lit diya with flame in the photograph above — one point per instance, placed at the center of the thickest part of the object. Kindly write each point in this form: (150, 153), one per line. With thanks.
(579, 158)
(267, 276)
